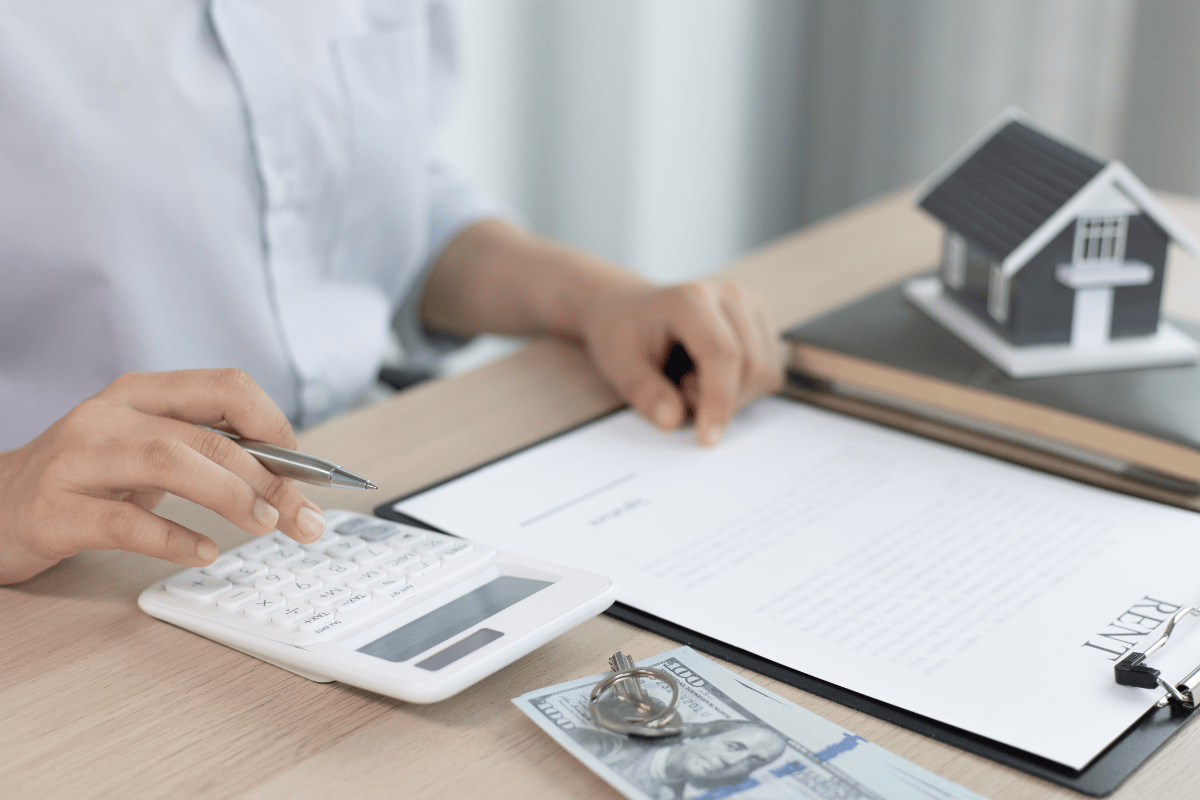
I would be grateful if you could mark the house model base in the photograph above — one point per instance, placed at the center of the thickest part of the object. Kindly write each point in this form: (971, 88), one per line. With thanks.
(1168, 347)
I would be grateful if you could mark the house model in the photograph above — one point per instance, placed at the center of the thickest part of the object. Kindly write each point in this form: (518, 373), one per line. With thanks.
(1052, 261)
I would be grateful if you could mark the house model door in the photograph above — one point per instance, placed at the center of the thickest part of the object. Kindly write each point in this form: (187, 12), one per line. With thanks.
(1097, 267)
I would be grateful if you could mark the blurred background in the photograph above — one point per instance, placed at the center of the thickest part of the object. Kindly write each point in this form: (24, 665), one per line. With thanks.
(674, 135)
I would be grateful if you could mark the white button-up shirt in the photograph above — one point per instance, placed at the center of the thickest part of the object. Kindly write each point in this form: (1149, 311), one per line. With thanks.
(204, 183)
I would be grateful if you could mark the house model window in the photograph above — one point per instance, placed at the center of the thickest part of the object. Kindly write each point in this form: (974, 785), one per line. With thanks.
(1100, 239)
(1052, 260)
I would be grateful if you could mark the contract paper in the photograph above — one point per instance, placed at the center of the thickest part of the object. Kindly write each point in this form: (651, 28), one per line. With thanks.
(978, 593)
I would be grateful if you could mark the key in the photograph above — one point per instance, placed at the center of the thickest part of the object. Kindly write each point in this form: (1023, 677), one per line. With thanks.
(257, 551)
(377, 532)
(383, 588)
(274, 581)
(238, 599)
(407, 538)
(373, 554)
(329, 596)
(302, 588)
(195, 585)
(338, 571)
(352, 603)
(316, 620)
(365, 580)
(459, 550)
(345, 549)
(264, 606)
(328, 539)
(291, 615)
(286, 555)
(224, 565)
(310, 564)
(248, 572)
(434, 546)
(402, 591)
(352, 526)
(424, 568)
(401, 563)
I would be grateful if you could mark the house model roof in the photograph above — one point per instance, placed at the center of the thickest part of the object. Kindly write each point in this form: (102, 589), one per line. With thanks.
(1014, 188)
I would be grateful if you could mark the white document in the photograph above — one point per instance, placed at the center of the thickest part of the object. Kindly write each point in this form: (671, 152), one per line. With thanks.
(982, 594)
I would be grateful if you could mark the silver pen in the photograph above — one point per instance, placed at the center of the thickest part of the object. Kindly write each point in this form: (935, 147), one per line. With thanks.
(298, 466)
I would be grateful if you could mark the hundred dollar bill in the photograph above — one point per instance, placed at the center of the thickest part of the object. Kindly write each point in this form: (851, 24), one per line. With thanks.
(739, 741)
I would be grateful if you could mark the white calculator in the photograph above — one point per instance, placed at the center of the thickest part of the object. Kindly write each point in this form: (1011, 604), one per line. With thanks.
(392, 608)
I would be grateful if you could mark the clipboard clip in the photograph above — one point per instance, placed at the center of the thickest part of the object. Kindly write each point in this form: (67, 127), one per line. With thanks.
(1134, 671)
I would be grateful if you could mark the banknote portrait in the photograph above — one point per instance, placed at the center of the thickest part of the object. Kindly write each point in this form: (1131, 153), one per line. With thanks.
(705, 756)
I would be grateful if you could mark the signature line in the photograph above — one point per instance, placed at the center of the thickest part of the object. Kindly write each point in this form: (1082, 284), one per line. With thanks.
(579, 499)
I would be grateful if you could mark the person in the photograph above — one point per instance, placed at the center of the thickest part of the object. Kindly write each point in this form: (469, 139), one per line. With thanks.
(707, 755)
(212, 211)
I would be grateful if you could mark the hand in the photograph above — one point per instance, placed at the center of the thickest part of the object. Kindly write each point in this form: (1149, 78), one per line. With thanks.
(91, 479)
(725, 328)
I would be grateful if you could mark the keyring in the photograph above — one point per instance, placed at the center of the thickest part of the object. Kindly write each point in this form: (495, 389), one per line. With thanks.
(632, 711)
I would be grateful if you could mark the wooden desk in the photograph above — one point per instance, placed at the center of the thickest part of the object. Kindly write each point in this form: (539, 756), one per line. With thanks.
(99, 700)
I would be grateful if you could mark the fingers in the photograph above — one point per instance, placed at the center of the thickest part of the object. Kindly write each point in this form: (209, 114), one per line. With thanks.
(731, 338)
(123, 526)
(208, 397)
(167, 463)
(641, 382)
(276, 502)
(715, 346)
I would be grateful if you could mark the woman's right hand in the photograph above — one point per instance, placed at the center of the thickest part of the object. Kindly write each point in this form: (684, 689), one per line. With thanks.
(91, 480)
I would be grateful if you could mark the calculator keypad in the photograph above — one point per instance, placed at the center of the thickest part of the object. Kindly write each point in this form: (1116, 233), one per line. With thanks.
(359, 570)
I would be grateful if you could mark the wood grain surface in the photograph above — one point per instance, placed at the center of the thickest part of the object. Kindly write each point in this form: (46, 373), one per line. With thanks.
(99, 700)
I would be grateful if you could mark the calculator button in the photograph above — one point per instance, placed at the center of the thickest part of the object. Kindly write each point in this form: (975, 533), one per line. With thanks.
(274, 581)
(338, 571)
(302, 588)
(224, 565)
(459, 550)
(195, 585)
(345, 549)
(400, 564)
(328, 539)
(376, 532)
(366, 580)
(257, 551)
(373, 554)
(292, 615)
(316, 620)
(352, 603)
(401, 591)
(424, 568)
(329, 596)
(282, 539)
(322, 624)
(384, 588)
(264, 606)
(353, 525)
(238, 599)
(248, 572)
(406, 539)
(310, 564)
(432, 548)
(285, 556)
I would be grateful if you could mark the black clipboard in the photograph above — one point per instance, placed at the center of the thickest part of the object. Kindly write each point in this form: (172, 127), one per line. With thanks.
(1099, 778)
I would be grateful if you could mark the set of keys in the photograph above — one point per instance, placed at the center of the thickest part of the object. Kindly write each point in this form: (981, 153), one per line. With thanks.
(620, 704)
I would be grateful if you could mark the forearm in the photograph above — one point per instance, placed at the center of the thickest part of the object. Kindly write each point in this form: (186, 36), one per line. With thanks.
(498, 279)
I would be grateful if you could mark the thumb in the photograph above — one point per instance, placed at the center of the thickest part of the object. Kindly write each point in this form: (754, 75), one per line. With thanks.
(651, 393)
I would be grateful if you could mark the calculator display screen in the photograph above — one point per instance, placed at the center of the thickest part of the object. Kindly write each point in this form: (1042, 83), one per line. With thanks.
(453, 618)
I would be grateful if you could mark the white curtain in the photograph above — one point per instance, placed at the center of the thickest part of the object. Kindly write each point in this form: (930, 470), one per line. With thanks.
(674, 135)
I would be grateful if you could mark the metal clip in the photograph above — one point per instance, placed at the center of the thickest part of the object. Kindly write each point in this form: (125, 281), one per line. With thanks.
(1134, 671)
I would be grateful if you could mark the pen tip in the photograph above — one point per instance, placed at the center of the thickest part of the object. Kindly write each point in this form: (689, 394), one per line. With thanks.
(371, 485)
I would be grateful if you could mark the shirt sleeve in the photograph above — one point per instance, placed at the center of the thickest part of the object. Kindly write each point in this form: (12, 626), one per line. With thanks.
(454, 203)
